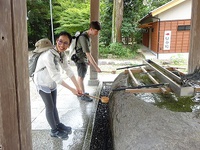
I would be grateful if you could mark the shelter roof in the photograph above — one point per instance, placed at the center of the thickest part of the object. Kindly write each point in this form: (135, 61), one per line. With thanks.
(152, 14)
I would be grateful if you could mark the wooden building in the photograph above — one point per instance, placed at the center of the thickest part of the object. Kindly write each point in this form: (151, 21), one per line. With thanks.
(166, 30)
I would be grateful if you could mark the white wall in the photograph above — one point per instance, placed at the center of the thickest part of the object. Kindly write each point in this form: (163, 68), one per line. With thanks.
(179, 12)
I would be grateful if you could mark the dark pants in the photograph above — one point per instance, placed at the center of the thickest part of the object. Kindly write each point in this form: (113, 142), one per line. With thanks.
(51, 109)
(82, 69)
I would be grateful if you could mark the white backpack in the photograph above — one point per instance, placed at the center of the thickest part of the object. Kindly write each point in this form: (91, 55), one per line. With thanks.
(71, 49)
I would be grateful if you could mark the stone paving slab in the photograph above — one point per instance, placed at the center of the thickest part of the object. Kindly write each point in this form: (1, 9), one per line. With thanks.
(42, 141)
(72, 112)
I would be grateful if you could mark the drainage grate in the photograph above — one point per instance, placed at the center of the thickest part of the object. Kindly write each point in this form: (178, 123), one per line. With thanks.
(101, 136)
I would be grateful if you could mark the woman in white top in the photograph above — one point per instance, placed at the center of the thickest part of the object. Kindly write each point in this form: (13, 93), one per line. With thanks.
(47, 75)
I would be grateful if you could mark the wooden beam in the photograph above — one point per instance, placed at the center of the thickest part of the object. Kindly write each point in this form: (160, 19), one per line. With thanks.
(194, 47)
(147, 25)
(15, 116)
(151, 78)
(164, 91)
(133, 70)
(168, 73)
(135, 82)
(94, 16)
(176, 88)
(197, 89)
(144, 90)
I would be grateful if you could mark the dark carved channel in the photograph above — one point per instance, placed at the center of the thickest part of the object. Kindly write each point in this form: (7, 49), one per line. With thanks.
(101, 136)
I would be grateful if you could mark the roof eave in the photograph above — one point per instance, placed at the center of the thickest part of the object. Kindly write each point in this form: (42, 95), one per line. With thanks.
(161, 9)
(166, 7)
(145, 17)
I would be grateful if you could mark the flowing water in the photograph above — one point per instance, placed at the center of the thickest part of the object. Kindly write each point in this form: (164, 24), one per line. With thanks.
(168, 101)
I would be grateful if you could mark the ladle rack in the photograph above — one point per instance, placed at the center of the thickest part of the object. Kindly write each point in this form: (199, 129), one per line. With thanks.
(168, 81)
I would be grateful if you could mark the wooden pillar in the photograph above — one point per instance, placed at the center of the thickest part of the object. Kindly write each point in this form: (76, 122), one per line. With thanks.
(94, 16)
(194, 52)
(15, 116)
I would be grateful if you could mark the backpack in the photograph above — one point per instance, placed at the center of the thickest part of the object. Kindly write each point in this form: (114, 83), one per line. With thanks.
(73, 46)
(33, 63)
(41, 46)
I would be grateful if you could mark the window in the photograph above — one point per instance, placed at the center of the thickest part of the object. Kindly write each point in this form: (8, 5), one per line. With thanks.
(144, 30)
(183, 27)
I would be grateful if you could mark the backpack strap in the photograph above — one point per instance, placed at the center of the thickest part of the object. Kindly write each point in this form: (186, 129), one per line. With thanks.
(81, 34)
(44, 66)
(38, 71)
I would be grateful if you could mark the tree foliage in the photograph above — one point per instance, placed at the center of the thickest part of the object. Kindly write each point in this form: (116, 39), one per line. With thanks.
(106, 21)
(74, 15)
(38, 15)
(134, 10)
(71, 15)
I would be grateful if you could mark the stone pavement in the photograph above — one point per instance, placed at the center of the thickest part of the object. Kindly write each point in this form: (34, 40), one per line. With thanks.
(72, 112)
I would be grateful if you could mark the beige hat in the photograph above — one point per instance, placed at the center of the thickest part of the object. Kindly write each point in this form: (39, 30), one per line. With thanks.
(43, 45)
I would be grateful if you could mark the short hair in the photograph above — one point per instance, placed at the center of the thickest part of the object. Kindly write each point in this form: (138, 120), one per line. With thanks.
(64, 33)
(95, 25)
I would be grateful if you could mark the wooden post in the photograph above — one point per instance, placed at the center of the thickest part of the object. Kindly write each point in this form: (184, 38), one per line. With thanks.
(94, 12)
(15, 117)
(135, 82)
(194, 37)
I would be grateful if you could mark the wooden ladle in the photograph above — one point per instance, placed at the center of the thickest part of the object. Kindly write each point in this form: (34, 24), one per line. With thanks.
(112, 72)
(104, 99)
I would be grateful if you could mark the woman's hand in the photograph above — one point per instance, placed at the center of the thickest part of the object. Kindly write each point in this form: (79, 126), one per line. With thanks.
(98, 70)
(80, 92)
(75, 92)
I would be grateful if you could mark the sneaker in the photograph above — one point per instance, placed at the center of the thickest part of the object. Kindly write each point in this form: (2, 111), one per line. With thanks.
(86, 98)
(59, 134)
(86, 93)
(64, 128)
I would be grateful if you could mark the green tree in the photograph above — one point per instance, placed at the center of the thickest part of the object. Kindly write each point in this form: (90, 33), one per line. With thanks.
(153, 4)
(117, 17)
(71, 15)
(74, 15)
(134, 10)
(38, 14)
(106, 21)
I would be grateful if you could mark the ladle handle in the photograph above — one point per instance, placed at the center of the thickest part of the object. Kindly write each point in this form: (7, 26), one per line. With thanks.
(92, 96)
(113, 72)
